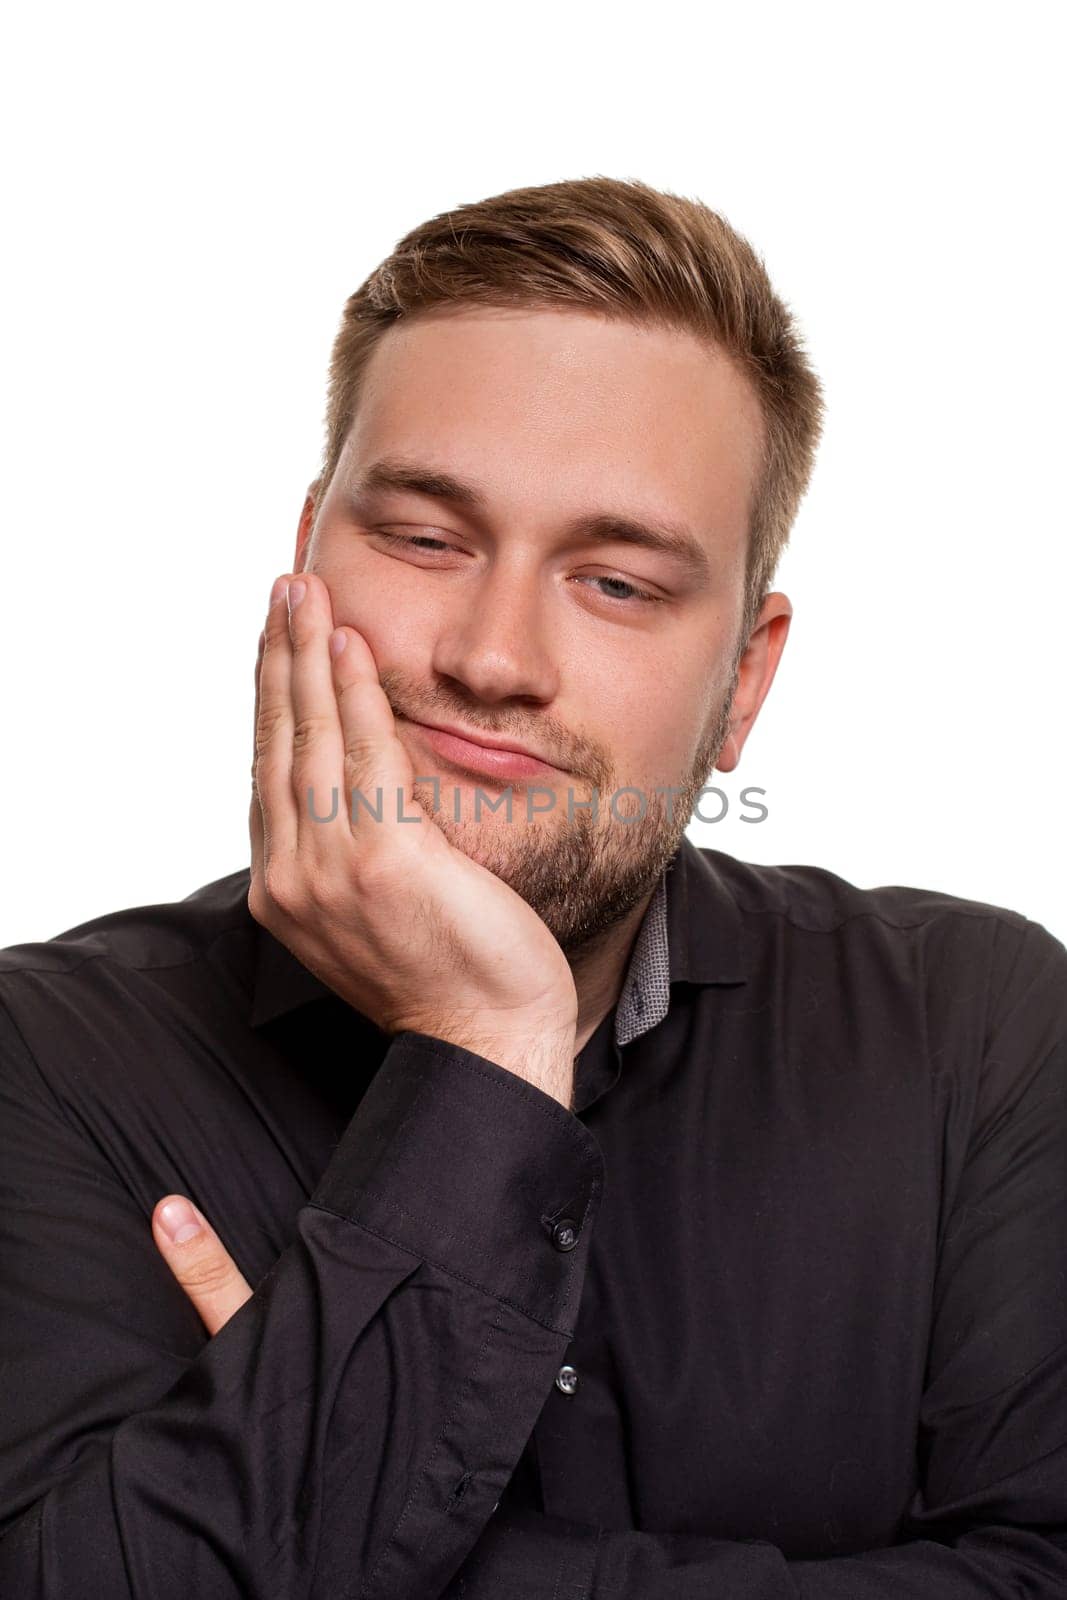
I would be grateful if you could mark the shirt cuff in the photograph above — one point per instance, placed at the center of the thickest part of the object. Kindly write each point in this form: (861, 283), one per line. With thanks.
(476, 1171)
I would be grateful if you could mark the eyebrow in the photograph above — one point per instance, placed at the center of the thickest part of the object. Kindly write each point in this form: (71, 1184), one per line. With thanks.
(393, 473)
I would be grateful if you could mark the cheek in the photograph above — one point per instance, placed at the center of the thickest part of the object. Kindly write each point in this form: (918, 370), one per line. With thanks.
(396, 621)
(648, 713)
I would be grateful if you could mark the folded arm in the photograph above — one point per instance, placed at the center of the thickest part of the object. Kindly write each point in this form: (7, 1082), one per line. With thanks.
(351, 1427)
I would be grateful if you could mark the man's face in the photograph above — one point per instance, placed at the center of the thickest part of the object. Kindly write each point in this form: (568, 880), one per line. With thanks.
(512, 614)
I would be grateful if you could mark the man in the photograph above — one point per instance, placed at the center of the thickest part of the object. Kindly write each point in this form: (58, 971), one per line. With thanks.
(488, 1192)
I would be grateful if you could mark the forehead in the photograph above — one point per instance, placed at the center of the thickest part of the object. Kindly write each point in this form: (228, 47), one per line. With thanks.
(560, 405)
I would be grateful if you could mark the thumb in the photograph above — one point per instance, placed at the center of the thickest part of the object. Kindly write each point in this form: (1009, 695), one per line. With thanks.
(199, 1260)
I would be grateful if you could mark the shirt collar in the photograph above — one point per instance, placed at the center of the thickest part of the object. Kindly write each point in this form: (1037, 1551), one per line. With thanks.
(693, 923)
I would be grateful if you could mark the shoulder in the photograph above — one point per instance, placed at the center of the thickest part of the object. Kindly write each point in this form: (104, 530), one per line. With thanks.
(815, 900)
(953, 951)
(93, 980)
(141, 936)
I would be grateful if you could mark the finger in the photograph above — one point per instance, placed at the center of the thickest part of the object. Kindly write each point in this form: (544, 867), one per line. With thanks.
(199, 1261)
(274, 736)
(255, 710)
(376, 763)
(318, 747)
(255, 810)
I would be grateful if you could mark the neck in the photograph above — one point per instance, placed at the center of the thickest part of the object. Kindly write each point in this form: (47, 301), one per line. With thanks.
(599, 969)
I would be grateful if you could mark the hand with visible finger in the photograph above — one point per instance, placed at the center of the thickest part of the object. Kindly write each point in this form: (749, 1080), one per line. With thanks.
(390, 915)
(199, 1261)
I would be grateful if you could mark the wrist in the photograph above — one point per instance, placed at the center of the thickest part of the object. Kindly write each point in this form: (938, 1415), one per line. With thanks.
(546, 1063)
(540, 1051)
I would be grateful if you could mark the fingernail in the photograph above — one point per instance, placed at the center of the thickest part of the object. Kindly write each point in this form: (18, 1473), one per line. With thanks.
(338, 640)
(178, 1220)
(296, 591)
(277, 590)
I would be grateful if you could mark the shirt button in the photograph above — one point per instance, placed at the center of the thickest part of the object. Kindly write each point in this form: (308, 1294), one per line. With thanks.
(567, 1380)
(565, 1234)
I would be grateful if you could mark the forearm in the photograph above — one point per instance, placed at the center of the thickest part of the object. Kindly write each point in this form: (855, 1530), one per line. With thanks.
(528, 1556)
(354, 1423)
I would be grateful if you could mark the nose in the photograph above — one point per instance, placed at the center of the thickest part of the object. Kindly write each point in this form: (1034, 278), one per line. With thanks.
(496, 641)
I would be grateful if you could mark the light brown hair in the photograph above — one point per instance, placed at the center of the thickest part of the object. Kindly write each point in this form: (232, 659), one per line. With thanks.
(619, 248)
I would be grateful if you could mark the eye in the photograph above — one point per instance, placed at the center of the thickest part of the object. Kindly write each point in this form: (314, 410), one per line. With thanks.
(417, 541)
(633, 595)
(619, 591)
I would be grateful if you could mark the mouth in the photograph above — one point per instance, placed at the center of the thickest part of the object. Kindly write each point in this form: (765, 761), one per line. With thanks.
(500, 761)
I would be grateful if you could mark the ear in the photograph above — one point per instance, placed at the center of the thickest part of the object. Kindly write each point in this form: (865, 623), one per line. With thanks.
(755, 674)
(306, 524)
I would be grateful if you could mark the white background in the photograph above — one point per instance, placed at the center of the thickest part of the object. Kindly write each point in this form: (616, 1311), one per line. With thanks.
(191, 193)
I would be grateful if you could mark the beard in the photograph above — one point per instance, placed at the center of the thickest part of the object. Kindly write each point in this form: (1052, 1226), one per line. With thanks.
(582, 873)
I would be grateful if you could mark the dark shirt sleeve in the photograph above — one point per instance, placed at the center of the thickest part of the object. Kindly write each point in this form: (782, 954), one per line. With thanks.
(989, 1521)
(352, 1427)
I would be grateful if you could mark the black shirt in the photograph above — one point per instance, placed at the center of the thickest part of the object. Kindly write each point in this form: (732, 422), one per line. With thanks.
(802, 1245)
